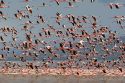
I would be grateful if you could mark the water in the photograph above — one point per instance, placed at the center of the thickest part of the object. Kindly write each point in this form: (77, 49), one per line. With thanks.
(59, 79)
(99, 9)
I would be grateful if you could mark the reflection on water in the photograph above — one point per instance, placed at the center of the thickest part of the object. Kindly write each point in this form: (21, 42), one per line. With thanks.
(109, 1)
(59, 79)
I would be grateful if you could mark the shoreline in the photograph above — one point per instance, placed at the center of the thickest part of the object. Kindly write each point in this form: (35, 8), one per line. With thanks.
(66, 72)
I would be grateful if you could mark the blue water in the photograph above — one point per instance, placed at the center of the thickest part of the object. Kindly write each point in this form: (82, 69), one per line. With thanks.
(99, 9)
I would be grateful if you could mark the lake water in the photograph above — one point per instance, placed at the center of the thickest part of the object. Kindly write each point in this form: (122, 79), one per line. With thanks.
(99, 9)
(59, 79)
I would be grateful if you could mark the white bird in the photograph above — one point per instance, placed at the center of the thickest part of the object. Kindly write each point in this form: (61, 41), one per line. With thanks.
(29, 9)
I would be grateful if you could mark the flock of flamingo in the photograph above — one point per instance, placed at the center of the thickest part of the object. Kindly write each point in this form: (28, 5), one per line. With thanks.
(64, 47)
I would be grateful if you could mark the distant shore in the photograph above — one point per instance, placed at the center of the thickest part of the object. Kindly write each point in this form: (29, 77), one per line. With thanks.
(64, 72)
